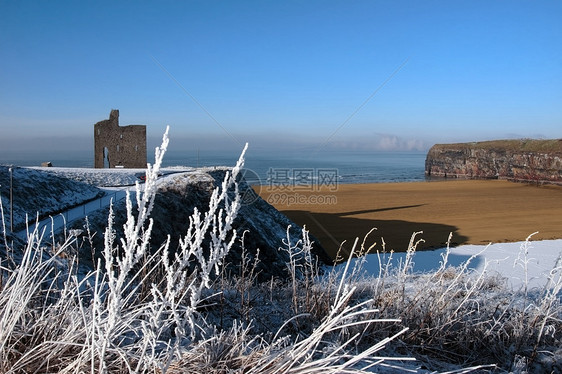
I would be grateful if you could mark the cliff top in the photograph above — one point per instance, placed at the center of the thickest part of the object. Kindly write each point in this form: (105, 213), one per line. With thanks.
(526, 145)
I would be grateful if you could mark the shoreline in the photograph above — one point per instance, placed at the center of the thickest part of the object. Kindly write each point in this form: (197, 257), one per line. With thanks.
(474, 211)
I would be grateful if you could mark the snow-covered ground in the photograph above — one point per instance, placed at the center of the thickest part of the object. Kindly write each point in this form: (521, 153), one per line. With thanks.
(114, 183)
(31, 193)
(58, 221)
(106, 177)
(521, 263)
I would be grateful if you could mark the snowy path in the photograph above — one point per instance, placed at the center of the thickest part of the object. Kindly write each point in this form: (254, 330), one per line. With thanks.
(121, 180)
(57, 222)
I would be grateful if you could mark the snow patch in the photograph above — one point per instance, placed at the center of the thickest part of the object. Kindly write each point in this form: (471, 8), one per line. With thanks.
(506, 259)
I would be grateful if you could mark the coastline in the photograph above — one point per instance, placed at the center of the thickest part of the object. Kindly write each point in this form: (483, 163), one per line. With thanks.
(474, 211)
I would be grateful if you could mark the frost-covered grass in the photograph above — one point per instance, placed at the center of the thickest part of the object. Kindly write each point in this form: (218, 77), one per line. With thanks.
(148, 308)
(458, 315)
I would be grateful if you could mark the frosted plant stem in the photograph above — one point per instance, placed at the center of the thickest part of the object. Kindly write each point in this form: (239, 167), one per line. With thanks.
(523, 261)
(3, 224)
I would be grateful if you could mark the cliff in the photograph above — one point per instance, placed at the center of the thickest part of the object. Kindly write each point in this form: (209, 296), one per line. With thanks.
(538, 161)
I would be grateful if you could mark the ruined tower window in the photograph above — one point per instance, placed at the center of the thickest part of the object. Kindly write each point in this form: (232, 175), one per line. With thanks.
(117, 147)
(121, 136)
(136, 148)
(98, 131)
(106, 163)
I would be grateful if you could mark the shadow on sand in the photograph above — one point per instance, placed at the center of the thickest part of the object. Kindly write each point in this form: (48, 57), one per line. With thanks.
(331, 229)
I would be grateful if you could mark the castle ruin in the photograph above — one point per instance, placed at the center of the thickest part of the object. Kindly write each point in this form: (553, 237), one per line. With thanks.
(119, 146)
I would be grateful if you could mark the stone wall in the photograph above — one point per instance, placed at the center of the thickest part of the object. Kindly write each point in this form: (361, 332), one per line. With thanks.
(537, 161)
(119, 146)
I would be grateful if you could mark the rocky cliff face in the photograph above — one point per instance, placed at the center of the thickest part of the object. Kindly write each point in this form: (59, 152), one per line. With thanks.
(538, 161)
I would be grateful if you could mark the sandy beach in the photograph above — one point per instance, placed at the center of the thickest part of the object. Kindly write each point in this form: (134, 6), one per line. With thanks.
(474, 211)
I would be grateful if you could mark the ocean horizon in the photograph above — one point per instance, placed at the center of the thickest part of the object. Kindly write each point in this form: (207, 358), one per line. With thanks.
(345, 167)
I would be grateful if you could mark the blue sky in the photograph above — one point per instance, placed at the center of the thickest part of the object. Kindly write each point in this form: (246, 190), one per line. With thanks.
(392, 75)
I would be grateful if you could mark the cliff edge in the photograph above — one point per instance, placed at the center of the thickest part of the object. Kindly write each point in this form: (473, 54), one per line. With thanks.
(527, 160)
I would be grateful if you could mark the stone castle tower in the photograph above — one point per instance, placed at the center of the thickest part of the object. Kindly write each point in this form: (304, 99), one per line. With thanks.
(119, 146)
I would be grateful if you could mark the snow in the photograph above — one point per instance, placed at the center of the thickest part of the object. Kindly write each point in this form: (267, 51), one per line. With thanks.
(106, 177)
(505, 259)
(33, 193)
(523, 264)
(59, 221)
(114, 183)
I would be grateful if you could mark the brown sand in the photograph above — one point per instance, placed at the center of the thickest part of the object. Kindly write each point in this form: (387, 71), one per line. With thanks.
(474, 211)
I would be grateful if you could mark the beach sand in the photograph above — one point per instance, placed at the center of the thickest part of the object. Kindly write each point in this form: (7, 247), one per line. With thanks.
(474, 211)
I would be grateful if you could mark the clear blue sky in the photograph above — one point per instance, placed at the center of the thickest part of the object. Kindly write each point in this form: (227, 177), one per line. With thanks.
(281, 73)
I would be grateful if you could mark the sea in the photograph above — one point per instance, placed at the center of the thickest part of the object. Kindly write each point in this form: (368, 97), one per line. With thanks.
(341, 166)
